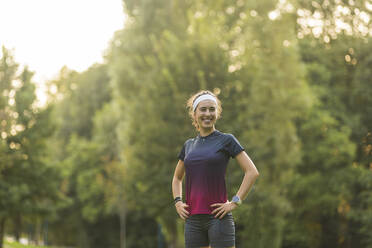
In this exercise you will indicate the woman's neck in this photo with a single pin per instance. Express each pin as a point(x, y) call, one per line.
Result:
point(206, 132)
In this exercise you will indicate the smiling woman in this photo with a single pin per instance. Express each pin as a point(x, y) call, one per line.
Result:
point(203, 160)
point(47, 35)
point(194, 101)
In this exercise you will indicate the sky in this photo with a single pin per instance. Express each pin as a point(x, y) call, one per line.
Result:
point(48, 34)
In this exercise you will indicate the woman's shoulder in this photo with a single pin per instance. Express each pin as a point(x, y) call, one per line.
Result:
point(190, 140)
point(226, 135)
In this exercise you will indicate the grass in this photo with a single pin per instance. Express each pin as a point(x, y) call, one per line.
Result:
point(18, 245)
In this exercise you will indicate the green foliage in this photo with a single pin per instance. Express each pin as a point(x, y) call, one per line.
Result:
point(85, 176)
point(297, 99)
point(155, 70)
point(254, 60)
point(87, 163)
point(87, 91)
point(142, 230)
point(354, 16)
point(326, 190)
point(319, 188)
point(29, 184)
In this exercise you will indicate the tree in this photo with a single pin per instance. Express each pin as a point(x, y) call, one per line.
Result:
point(29, 185)
point(94, 179)
point(318, 189)
point(225, 46)
point(8, 68)
point(335, 140)
point(77, 97)
point(329, 20)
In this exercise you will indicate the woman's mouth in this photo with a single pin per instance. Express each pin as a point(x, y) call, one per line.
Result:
point(207, 120)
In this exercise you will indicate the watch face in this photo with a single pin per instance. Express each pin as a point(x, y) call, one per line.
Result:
point(236, 199)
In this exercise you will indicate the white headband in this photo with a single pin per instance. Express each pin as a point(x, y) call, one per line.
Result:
point(202, 98)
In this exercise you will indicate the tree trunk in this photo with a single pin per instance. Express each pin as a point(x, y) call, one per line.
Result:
point(37, 231)
point(122, 216)
point(172, 234)
point(173, 242)
point(330, 229)
point(84, 237)
point(45, 232)
point(18, 227)
point(2, 227)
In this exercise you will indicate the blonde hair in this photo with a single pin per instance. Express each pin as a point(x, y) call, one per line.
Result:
point(191, 100)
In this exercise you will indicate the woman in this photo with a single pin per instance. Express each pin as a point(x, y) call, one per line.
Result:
point(204, 159)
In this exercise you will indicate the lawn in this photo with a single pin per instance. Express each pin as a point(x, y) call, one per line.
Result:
point(8, 244)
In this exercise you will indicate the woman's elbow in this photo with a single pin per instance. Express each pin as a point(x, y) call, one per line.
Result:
point(253, 172)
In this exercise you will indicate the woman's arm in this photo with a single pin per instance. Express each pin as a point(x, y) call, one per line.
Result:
point(177, 179)
point(177, 189)
point(250, 176)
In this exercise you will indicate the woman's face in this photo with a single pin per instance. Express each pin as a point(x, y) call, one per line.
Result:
point(206, 114)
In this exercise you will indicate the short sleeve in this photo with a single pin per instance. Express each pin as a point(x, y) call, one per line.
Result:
point(233, 146)
point(181, 155)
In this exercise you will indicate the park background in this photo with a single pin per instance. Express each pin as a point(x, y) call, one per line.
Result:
point(92, 167)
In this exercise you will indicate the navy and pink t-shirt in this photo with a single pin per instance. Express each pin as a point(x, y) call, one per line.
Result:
point(205, 160)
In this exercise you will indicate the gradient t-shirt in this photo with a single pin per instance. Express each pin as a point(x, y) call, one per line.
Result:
point(206, 160)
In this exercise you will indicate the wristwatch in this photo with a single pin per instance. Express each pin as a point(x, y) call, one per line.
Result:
point(177, 199)
point(236, 200)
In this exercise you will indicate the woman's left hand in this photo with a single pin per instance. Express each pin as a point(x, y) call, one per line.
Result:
point(223, 208)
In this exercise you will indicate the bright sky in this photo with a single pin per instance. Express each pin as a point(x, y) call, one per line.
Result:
point(48, 34)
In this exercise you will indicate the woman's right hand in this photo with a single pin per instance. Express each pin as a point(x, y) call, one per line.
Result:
point(181, 209)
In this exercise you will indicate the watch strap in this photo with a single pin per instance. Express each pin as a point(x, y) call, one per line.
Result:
point(177, 199)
